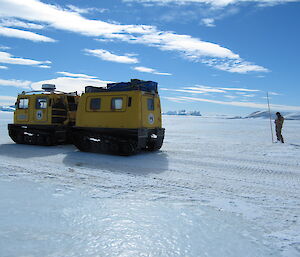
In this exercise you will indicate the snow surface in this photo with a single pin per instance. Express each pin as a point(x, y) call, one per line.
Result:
point(217, 188)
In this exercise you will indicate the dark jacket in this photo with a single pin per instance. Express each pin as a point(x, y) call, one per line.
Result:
point(279, 122)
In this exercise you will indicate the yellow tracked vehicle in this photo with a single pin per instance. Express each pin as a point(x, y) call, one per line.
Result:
point(44, 117)
point(120, 119)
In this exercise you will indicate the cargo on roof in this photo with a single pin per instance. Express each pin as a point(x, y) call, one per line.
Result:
point(134, 84)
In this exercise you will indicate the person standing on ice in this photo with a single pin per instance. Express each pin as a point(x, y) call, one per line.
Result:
point(278, 123)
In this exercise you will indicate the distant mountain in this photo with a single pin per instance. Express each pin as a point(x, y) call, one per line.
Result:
point(262, 114)
point(266, 115)
point(183, 113)
point(7, 108)
point(293, 116)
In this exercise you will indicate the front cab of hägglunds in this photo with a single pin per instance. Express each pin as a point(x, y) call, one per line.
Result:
point(121, 119)
point(43, 117)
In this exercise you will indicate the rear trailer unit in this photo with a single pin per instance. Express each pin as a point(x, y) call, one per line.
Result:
point(123, 118)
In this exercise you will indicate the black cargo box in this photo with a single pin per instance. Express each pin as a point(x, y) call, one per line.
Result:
point(134, 84)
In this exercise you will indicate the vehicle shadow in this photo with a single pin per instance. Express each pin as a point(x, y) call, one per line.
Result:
point(140, 164)
point(28, 151)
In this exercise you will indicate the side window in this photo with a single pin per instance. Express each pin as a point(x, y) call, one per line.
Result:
point(117, 103)
point(150, 103)
point(41, 103)
point(129, 101)
point(23, 103)
point(95, 104)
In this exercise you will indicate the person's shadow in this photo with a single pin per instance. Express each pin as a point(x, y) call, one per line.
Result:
point(297, 146)
point(142, 163)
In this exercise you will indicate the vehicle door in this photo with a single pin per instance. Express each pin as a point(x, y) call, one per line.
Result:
point(40, 113)
point(22, 110)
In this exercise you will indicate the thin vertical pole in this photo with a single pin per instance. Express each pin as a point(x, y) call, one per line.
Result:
point(270, 117)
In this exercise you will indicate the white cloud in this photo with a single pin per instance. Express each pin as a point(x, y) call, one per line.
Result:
point(190, 91)
point(76, 75)
point(239, 89)
point(199, 51)
point(234, 66)
point(105, 40)
point(218, 3)
point(208, 22)
point(7, 100)
point(175, 99)
point(68, 84)
point(10, 59)
point(237, 103)
point(15, 83)
point(205, 89)
point(108, 56)
point(273, 93)
point(150, 70)
point(17, 33)
point(4, 48)
point(34, 10)
point(3, 67)
point(17, 23)
point(241, 67)
point(191, 48)
point(85, 10)
point(200, 89)
point(230, 96)
point(44, 66)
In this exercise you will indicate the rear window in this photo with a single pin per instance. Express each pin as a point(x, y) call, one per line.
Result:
point(95, 104)
point(117, 103)
point(150, 103)
point(41, 103)
point(23, 103)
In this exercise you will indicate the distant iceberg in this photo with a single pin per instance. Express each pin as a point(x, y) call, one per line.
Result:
point(183, 113)
point(7, 108)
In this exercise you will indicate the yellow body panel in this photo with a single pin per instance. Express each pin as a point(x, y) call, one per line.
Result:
point(133, 114)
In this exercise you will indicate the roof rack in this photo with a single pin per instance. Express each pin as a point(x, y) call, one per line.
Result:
point(48, 93)
point(134, 84)
point(49, 89)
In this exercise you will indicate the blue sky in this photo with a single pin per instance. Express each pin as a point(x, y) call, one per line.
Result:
point(216, 56)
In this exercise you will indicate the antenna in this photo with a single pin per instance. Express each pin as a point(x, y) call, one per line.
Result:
point(270, 117)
